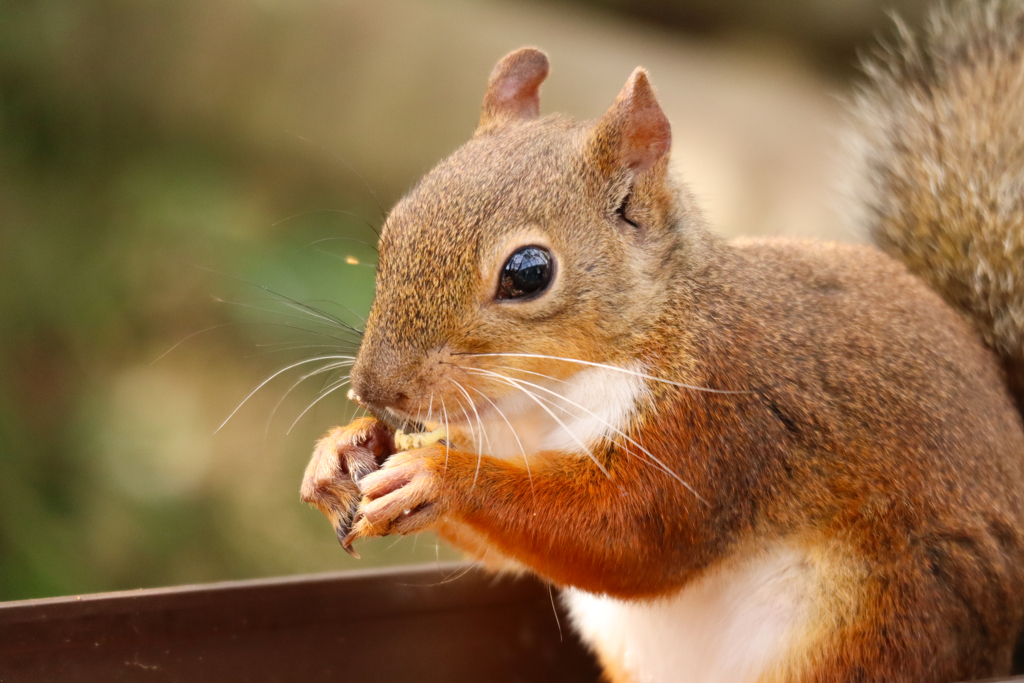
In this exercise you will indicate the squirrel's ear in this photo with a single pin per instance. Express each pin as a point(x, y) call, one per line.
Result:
point(634, 132)
point(513, 90)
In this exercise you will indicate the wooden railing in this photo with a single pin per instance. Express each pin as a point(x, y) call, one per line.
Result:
point(425, 624)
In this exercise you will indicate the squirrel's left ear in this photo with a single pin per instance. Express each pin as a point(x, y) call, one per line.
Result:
point(634, 132)
point(513, 90)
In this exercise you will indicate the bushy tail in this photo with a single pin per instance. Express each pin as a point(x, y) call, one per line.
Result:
point(940, 153)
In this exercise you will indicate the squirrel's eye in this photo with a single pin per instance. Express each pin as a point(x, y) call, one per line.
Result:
point(622, 212)
point(527, 273)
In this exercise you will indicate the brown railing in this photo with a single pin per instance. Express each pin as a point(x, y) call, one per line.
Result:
point(424, 624)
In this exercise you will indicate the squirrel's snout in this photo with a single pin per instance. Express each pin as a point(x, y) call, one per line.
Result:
point(377, 391)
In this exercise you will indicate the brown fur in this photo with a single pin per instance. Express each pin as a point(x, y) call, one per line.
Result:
point(940, 165)
point(864, 417)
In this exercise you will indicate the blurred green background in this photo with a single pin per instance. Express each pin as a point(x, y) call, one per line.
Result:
point(172, 173)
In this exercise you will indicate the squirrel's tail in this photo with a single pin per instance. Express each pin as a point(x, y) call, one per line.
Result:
point(939, 148)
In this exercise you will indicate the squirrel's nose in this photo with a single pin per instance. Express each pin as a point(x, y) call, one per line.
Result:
point(376, 391)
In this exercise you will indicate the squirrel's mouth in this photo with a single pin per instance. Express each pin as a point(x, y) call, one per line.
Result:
point(463, 419)
point(393, 418)
point(484, 410)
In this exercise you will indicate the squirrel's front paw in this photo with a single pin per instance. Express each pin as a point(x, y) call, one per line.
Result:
point(403, 496)
point(340, 460)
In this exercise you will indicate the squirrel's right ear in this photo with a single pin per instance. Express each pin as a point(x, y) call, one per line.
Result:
point(634, 133)
point(513, 90)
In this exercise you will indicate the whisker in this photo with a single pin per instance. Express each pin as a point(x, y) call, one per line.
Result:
point(326, 368)
point(472, 405)
point(454, 576)
point(483, 432)
point(526, 460)
point(281, 297)
point(295, 345)
point(468, 421)
point(251, 322)
point(193, 334)
point(627, 371)
point(554, 417)
point(447, 448)
point(317, 314)
point(665, 468)
point(562, 397)
point(528, 372)
point(334, 387)
point(320, 333)
point(289, 346)
point(321, 314)
point(328, 239)
point(338, 325)
point(347, 309)
point(330, 371)
point(554, 609)
point(279, 372)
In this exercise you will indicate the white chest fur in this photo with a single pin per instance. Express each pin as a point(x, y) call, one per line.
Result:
point(731, 626)
point(570, 416)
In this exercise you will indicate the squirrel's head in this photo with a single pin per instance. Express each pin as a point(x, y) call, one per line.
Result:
point(541, 236)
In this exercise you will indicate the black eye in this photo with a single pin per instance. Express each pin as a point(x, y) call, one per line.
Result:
point(526, 273)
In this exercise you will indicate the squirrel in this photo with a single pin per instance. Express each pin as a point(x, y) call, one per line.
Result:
point(742, 461)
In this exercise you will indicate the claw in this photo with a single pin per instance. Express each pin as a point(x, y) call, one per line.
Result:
point(343, 530)
point(346, 538)
point(346, 543)
point(347, 534)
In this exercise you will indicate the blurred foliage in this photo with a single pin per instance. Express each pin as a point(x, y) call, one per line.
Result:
point(118, 232)
point(829, 32)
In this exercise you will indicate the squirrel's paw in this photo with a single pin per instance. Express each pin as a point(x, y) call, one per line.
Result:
point(340, 460)
point(403, 496)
